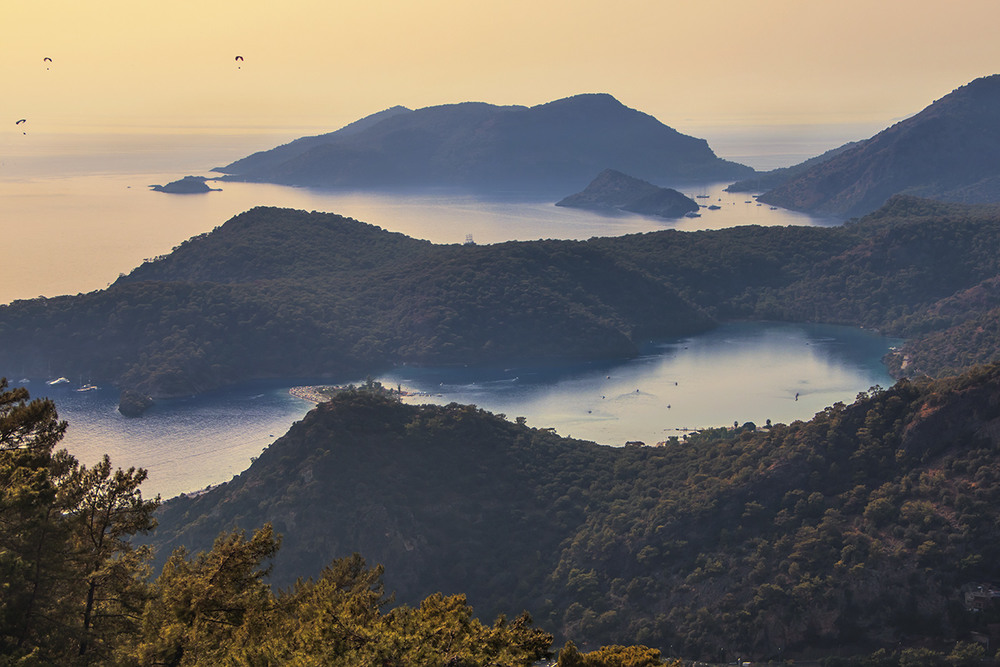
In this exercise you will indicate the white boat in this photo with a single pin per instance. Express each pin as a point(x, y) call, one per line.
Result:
point(88, 387)
point(58, 381)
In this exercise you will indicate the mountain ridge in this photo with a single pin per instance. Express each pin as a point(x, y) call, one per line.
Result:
point(548, 147)
point(950, 151)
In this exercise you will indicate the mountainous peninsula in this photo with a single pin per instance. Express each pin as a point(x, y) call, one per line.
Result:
point(949, 151)
point(551, 148)
point(863, 528)
point(282, 293)
point(769, 180)
point(615, 191)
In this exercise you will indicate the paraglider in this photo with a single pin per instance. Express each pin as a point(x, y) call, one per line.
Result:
point(46, 59)
point(21, 122)
point(239, 59)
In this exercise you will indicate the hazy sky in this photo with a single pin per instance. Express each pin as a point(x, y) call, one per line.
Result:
point(314, 65)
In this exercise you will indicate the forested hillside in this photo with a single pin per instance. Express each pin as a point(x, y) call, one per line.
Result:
point(281, 293)
point(76, 589)
point(859, 529)
point(278, 293)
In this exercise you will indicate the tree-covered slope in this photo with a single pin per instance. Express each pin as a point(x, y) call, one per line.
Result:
point(280, 293)
point(287, 293)
point(858, 529)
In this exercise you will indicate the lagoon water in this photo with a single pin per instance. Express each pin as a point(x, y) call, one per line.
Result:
point(75, 215)
point(737, 373)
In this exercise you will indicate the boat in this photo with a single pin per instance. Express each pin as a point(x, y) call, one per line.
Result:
point(88, 387)
point(58, 381)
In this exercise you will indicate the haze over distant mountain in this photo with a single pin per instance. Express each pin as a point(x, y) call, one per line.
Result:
point(553, 148)
point(768, 180)
point(949, 151)
point(613, 190)
point(269, 159)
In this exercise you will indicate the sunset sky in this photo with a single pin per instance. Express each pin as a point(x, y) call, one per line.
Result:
point(315, 65)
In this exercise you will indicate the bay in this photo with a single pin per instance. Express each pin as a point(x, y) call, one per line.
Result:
point(76, 211)
point(738, 372)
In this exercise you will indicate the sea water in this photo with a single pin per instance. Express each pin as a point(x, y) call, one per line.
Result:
point(741, 372)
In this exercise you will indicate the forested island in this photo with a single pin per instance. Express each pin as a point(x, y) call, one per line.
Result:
point(282, 293)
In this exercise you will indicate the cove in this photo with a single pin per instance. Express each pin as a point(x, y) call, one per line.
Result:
point(738, 372)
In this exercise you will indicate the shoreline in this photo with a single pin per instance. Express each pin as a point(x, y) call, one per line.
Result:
point(311, 393)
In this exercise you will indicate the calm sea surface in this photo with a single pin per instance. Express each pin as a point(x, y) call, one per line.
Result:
point(76, 212)
point(738, 373)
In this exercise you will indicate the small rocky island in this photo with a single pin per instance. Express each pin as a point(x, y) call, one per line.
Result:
point(189, 185)
point(133, 403)
point(613, 190)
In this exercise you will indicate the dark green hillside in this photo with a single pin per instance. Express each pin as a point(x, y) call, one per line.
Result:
point(858, 529)
point(914, 257)
point(286, 293)
point(265, 244)
point(280, 293)
point(727, 271)
point(449, 499)
point(77, 591)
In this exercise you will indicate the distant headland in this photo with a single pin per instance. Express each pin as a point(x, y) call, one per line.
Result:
point(551, 148)
point(189, 185)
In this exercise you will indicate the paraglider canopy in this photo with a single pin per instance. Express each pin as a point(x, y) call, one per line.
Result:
point(21, 121)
